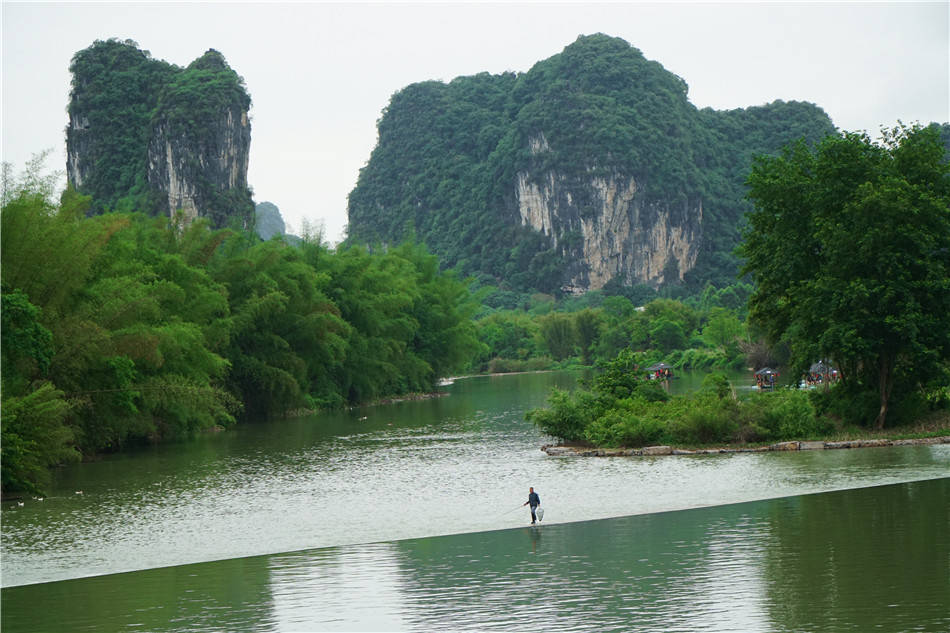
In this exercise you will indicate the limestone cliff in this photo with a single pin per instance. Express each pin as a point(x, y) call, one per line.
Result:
point(145, 135)
point(591, 169)
point(615, 233)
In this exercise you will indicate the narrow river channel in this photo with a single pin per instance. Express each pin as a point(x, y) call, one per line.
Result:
point(407, 517)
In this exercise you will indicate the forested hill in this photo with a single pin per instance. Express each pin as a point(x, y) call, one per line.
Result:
point(592, 168)
point(146, 135)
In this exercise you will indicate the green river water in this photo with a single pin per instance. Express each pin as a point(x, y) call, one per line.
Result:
point(406, 517)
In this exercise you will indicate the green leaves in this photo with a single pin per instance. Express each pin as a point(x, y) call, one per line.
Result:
point(145, 331)
point(722, 329)
point(849, 245)
point(283, 326)
point(34, 437)
point(27, 346)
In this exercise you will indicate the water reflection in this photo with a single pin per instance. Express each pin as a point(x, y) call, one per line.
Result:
point(782, 565)
point(869, 559)
point(659, 573)
point(878, 559)
point(232, 595)
point(355, 589)
point(450, 465)
point(455, 464)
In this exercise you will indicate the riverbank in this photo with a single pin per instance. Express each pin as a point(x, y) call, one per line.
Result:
point(649, 451)
point(301, 476)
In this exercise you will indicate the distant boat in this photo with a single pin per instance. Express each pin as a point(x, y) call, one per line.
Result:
point(765, 378)
point(821, 373)
point(660, 371)
point(445, 382)
point(821, 367)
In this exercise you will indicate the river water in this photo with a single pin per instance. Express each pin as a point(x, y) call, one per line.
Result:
point(407, 517)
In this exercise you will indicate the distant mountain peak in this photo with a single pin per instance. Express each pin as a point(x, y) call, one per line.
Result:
point(591, 168)
point(145, 135)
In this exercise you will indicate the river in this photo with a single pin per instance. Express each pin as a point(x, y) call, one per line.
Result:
point(407, 516)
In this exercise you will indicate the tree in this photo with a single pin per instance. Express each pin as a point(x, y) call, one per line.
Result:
point(33, 437)
point(667, 335)
point(444, 337)
point(26, 345)
point(559, 334)
point(509, 334)
point(285, 329)
point(849, 246)
point(588, 324)
point(722, 328)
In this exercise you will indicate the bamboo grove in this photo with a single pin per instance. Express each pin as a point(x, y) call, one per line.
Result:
point(124, 328)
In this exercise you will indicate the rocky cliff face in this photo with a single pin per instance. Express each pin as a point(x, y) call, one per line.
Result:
point(608, 229)
point(592, 169)
point(191, 171)
point(145, 135)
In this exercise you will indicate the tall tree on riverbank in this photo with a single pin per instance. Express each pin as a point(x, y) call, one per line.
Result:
point(849, 246)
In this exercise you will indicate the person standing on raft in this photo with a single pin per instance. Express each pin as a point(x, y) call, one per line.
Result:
point(534, 501)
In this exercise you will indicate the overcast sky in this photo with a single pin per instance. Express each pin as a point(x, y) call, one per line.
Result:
point(320, 74)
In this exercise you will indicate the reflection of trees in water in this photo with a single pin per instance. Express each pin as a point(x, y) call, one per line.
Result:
point(651, 571)
point(868, 559)
point(230, 595)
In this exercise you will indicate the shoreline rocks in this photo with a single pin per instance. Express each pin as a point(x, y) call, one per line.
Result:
point(647, 451)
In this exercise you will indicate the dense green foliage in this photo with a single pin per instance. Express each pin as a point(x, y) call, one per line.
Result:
point(446, 163)
point(124, 328)
point(121, 96)
point(705, 331)
point(115, 90)
point(849, 246)
point(623, 408)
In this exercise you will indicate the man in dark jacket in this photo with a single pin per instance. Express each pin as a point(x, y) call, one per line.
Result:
point(534, 501)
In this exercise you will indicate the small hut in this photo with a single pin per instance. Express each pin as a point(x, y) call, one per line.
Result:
point(659, 371)
point(765, 378)
point(821, 373)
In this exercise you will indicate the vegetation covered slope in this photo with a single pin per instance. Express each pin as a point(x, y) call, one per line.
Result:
point(446, 163)
point(139, 125)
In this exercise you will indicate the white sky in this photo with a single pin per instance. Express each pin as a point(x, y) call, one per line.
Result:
point(320, 74)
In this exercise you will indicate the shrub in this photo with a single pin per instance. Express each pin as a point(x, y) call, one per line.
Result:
point(34, 438)
point(793, 415)
point(718, 384)
point(622, 428)
point(781, 415)
point(651, 391)
point(852, 404)
point(938, 399)
point(619, 377)
point(512, 365)
point(701, 358)
point(706, 421)
point(567, 417)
